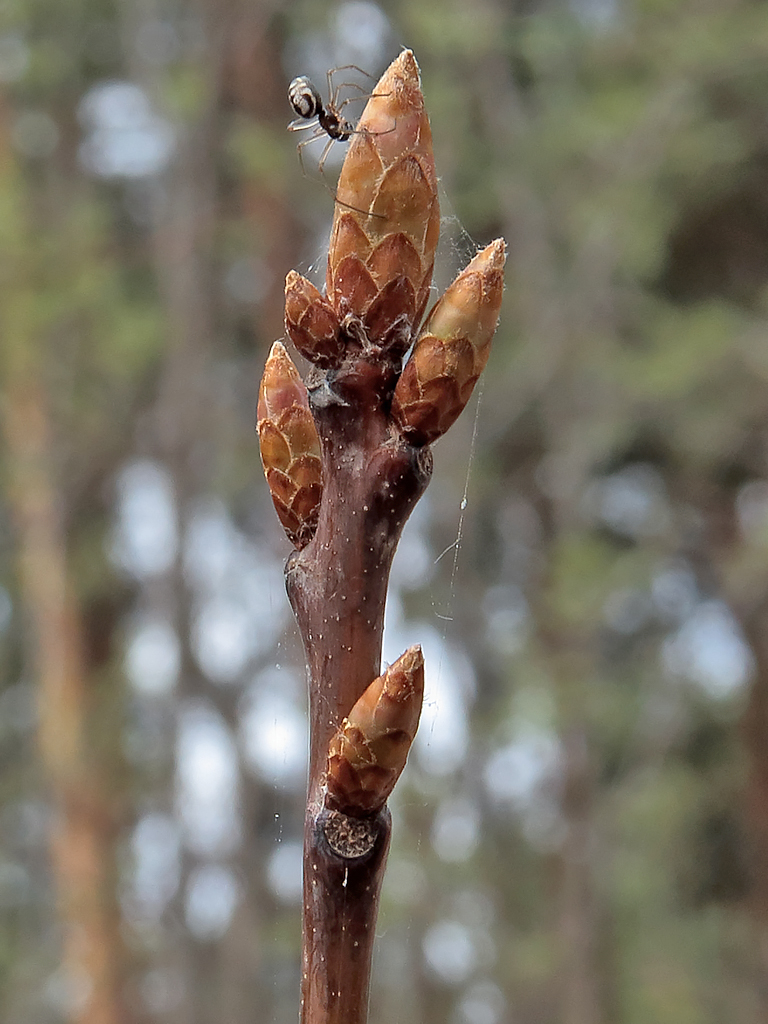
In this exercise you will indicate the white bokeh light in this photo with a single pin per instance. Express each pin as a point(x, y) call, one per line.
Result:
point(274, 729)
point(450, 951)
point(144, 542)
point(126, 138)
point(156, 854)
point(222, 639)
point(506, 617)
point(241, 606)
point(207, 782)
point(284, 872)
point(414, 563)
point(212, 897)
point(362, 30)
point(709, 649)
point(449, 685)
point(515, 773)
point(632, 502)
point(482, 1003)
point(456, 830)
point(14, 57)
point(152, 658)
point(210, 546)
point(674, 591)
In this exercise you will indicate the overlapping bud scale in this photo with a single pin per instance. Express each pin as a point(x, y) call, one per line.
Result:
point(369, 751)
point(311, 322)
point(452, 349)
point(290, 447)
point(387, 217)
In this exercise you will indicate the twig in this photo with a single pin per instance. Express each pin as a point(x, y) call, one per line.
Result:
point(346, 458)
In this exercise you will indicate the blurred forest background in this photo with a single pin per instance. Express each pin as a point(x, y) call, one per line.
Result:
point(581, 836)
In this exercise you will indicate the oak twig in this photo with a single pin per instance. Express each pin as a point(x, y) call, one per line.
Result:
point(346, 458)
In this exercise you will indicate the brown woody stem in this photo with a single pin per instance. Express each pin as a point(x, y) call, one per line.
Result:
point(341, 903)
point(337, 586)
point(372, 432)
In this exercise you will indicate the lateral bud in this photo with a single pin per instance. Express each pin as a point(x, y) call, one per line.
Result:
point(452, 349)
point(290, 447)
point(369, 751)
point(311, 322)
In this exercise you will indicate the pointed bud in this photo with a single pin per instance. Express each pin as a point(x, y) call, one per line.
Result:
point(311, 322)
point(368, 753)
point(290, 447)
point(387, 218)
point(452, 350)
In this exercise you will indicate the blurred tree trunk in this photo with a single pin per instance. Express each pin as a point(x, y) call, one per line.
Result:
point(257, 87)
point(82, 840)
point(570, 652)
point(755, 733)
point(84, 825)
point(185, 430)
point(742, 579)
point(196, 433)
point(580, 914)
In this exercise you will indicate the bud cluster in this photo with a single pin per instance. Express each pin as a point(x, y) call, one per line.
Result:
point(380, 262)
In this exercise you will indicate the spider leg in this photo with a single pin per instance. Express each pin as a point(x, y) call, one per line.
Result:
point(320, 167)
point(336, 105)
point(301, 123)
point(367, 131)
point(334, 91)
point(324, 156)
point(347, 67)
point(318, 132)
point(347, 206)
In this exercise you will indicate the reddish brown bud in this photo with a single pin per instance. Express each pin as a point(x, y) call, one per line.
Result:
point(387, 218)
point(369, 751)
point(452, 350)
point(311, 322)
point(290, 446)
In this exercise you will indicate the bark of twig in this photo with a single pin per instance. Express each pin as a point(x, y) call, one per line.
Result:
point(337, 587)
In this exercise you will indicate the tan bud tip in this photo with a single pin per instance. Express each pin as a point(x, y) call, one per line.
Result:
point(387, 217)
point(369, 751)
point(310, 321)
point(452, 349)
point(290, 446)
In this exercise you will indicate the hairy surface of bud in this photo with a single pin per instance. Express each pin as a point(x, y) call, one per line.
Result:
point(290, 446)
point(452, 349)
point(369, 751)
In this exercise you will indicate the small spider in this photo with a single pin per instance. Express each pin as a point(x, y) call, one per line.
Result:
point(325, 119)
